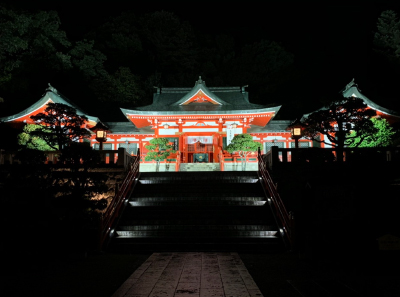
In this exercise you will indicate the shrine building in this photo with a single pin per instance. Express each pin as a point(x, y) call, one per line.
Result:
point(198, 121)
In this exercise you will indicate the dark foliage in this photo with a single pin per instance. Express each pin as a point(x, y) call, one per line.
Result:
point(63, 123)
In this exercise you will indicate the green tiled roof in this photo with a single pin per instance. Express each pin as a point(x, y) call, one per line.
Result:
point(352, 90)
point(168, 101)
point(53, 95)
point(126, 128)
point(271, 127)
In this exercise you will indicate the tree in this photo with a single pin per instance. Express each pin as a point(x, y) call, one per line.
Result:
point(159, 150)
point(30, 141)
point(244, 145)
point(33, 49)
point(338, 120)
point(387, 36)
point(26, 35)
point(382, 137)
point(122, 87)
point(63, 125)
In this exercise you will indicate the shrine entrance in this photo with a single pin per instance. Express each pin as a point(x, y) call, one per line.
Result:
point(199, 149)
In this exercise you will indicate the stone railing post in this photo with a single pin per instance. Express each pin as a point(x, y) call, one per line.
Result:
point(121, 156)
point(274, 156)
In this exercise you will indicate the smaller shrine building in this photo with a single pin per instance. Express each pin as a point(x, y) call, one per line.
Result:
point(199, 120)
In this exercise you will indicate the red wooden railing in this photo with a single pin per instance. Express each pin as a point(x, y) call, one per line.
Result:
point(116, 206)
point(221, 160)
point(178, 161)
point(286, 221)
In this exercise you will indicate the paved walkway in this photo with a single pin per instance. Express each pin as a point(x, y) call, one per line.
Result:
point(190, 274)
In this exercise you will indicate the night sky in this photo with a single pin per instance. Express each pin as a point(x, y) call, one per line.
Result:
point(332, 39)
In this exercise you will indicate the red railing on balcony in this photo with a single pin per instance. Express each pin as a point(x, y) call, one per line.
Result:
point(286, 221)
point(115, 208)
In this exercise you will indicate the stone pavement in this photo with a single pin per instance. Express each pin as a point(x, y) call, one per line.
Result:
point(190, 274)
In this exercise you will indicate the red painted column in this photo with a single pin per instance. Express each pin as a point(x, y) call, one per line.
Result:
point(181, 146)
point(216, 148)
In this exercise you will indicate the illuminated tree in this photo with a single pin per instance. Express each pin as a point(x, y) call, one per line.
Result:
point(382, 136)
point(159, 150)
point(338, 120)
point(243, 144)
point(63, 125)
point(30, 141)
point(387, 36)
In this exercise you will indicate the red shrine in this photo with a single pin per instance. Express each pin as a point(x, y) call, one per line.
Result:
point(198, 120)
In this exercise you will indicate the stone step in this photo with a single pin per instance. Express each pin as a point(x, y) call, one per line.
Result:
point(197, 211)
point(191, 190)
point(189, 244)
point(195, 202)
point(195, 221)
point(201, 227)
point(205, 199)
point(198, 215)
point(196, 233)
point(166, 180)
point(224, 176)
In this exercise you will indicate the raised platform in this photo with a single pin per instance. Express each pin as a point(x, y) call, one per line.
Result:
point(199, 167)
point(234, 166)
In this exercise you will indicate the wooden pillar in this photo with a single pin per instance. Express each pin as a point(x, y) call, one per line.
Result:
point(181, 139)
point(216, 148)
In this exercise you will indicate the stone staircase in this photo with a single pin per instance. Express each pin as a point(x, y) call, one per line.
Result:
point(199, 167)
point(197, 211)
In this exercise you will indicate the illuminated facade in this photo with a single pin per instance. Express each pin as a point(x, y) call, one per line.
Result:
point(199, 120)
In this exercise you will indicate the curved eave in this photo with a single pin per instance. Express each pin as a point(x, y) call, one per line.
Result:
point(40, 105)
point(127, 112)
point(260, 117)
point(354, 92)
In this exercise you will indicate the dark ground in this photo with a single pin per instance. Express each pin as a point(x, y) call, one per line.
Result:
point(338, 217)
point(276, 274)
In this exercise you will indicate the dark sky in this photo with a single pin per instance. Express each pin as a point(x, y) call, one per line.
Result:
point(325, 34)
point(333, 39)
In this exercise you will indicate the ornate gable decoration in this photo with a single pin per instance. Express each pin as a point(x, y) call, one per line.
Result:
point(200, 97)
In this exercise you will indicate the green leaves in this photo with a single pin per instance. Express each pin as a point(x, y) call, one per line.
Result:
point(387, 36)
point(122, 87)
point(25, 35)
point(87, 59)
point(159, 149)
point(63, 125)
point(243, 143)
point(29, 140)
point(338, 119)
point(381, 137)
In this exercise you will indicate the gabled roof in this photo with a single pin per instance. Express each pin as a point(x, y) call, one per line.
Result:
point(51, 95)
point(352, 90)
point(200, 93)
point(274, 126)
point(126, 128)
point(215, 100)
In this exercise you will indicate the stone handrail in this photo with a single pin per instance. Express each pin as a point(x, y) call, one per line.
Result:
point(120, 199)
point(276, 156)
point(118, 157)
point(286, 221)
